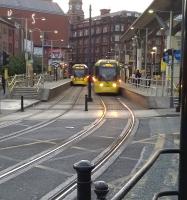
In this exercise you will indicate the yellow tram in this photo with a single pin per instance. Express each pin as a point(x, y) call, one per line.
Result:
point(106, 77)
point(79, 74)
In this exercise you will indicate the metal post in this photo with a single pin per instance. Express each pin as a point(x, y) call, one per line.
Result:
point(171, 92)
point(42, 53)
point(86, 102)
point(22, 105)
point(146, 41)
point(89, 64)
point(26, 53)
point(183, 130)
point(101, 190)
point(83, 168)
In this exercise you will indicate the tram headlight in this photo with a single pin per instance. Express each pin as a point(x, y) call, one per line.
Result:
point(119, 80)
point(101, 84)
point(114, 85)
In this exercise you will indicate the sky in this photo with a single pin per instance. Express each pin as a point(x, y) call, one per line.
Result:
point(113, 5)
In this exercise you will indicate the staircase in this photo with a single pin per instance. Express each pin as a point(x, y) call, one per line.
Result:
point(175, 101)
point(26, 92)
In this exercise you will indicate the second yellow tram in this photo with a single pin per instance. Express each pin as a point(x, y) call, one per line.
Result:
point(79, 74)
point(106, 77)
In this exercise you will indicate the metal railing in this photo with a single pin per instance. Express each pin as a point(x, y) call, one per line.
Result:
point(101, 188)
point(16, 80)
point(133, 181)
point(40, 81)
point(153, 87)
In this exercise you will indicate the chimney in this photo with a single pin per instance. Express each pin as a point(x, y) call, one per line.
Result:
point(104, 11)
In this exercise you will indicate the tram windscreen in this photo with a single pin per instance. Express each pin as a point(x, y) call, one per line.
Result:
point(107, 73)
point(79, 73)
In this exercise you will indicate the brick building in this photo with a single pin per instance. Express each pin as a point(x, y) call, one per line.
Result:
point(10, 42)
point(106, 30)
point(22, 13)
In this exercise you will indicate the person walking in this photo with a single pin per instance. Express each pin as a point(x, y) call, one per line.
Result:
point(138, 76)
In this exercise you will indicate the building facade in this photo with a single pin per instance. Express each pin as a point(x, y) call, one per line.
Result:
point(29, 19)
point(103, 33)
point(10, 39)
point(75, 12)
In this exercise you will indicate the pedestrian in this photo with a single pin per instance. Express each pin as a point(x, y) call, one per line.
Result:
point(133, 78)
point(138, 76)
point(148, 80)
point(3, 81)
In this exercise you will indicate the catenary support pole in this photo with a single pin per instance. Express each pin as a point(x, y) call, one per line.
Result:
point(183, 131)
point(89, 64)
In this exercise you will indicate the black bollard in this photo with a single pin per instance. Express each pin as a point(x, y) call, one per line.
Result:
point(86, 102)
point(83, 168)
point(22, 106)
point(101, 190)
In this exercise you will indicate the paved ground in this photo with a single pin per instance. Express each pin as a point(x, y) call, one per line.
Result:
point(152, 125)
point(8, 105)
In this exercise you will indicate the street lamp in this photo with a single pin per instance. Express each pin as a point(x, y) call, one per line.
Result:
point(42, 39)
point(25, 45)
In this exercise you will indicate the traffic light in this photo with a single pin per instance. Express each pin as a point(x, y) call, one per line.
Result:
point(5, 58)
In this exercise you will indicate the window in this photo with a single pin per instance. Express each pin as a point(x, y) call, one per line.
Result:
point(117, 27)
point(81, 33)
point(98, 30)
point(75, 34)
point(86, 32)
point(78, 6)
point(105, 29)
point(129, 14)
point(116, 38)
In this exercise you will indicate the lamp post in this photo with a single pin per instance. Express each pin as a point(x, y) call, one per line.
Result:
point(42, 35)
point(25, 46)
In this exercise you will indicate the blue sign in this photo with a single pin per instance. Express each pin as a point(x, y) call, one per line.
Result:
point(177, 54)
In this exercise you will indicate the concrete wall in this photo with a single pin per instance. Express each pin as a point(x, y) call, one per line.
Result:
point(151, 102)
point(47, 94)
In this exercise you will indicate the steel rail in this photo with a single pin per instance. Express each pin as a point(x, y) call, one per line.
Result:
point(111, 151)
point(53, 151)
point(40, 124)
point(8, 123)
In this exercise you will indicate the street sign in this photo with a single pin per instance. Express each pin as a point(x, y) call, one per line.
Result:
point(55, 64)
point(166, 57)
point(177, 54)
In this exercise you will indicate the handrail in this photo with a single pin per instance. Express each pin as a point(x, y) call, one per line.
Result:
point(165, 193)
point(13, 80)
point(131, 183)
point(38, 83)
point(12, 83)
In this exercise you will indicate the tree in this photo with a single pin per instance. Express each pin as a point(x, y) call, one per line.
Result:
point(16, 65)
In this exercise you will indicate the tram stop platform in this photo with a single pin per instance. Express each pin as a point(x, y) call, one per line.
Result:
point(49, 90)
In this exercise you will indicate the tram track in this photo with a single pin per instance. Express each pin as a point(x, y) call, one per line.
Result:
point(37, 159)
point(55, 102)
point(104, 156)
point(40, 124)
point(99, 161)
